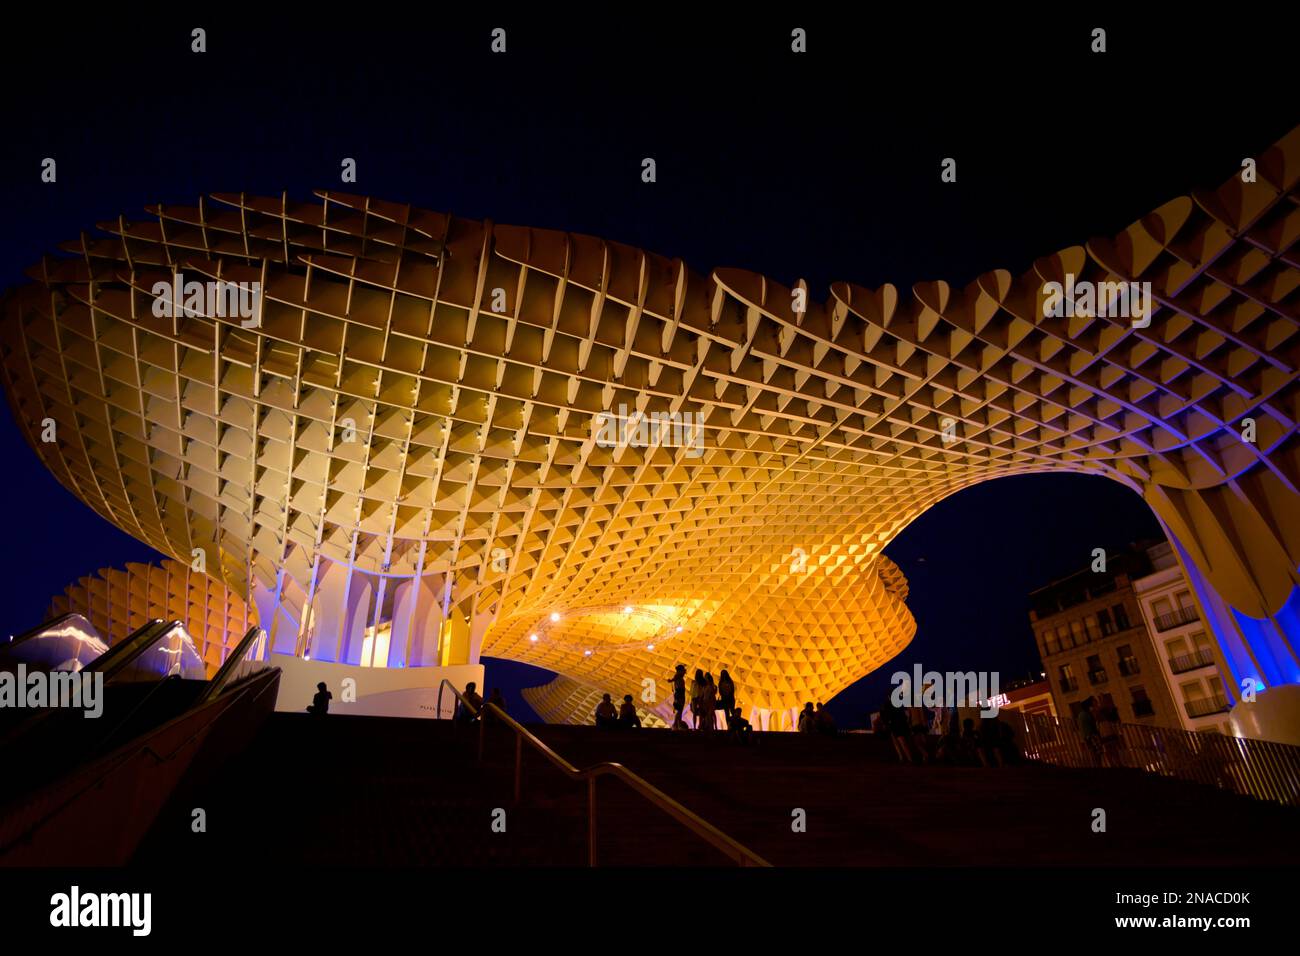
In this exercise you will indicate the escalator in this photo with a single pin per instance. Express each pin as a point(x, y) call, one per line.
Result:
point(66, 643)
point(99, 737)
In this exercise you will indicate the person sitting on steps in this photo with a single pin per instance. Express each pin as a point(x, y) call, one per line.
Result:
point(737, 725)
point(606, 714)
point(627, 716)
point(320, 703)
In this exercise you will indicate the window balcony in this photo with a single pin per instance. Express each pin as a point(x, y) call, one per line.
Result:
point(1069, 684)
point(1130, 667)
point(1190, 662)
point(1097, 676)
point(1206, 706)
point(1143, 708)
point(1184, 615)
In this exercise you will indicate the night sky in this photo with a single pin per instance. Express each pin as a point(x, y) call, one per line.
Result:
point(823, 166)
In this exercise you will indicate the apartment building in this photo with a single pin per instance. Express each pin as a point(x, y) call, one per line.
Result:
point(1092, 636)
point(1182, 643)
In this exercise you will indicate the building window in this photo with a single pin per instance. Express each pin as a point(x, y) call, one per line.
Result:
point(1103, 616)
point(1069, 682)
point(1128, 664)
point(1096, 673)
point(1076, 632)
point(1121, 617)
point(1141, 702)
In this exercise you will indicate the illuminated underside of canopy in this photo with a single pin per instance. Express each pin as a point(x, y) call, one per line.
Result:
point(410, 432)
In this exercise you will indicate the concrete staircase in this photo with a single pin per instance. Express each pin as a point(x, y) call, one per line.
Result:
point(384, 791)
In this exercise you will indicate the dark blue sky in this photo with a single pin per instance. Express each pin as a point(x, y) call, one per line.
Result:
point(822, 166)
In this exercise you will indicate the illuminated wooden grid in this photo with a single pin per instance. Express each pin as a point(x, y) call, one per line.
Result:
point(566, 701)
point(824, 431)
point(117, 602)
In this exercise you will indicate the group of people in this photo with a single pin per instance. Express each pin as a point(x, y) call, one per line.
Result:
point(922, 735)
point(816, 721)
point(624, 717)
point(1098, 723)
point(470, 707)
point(707, 698)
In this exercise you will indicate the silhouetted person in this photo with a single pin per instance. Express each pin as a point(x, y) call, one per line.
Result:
point(738, 725)
point(1108, 732)
point(697, 688)
point(949, 749)
point(807, 719)
point(470, 706)
point(708, 704)
point(970, 742)
point(679, 696)
point(991, 741)
point(320, 702)
point(919, 720)
point(606, 713)
point(726, 693)
point(627, 716)
point(497, 699)
point(1086, 721)
point(897, 727)
point(1008, 749)
point(823, 721)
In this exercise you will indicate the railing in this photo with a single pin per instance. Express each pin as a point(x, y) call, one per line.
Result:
point(1205, 706)
point(1189, 662)
point(246, 659)
point(1261, 769)
point(1097, 677)
point(1069, 684)
point(1184, 615)
point(737, 852)
point(23, 819)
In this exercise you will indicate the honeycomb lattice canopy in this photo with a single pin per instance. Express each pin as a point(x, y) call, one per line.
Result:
point(412, 428)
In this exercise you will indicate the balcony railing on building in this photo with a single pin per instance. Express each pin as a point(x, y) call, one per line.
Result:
point(1184, 615)
point(1189, 662)
point(1205, 706)
point(1098, 676)
point(1129, 667)
point(1143, 708)
point(1069, 684)
point(1261, 769)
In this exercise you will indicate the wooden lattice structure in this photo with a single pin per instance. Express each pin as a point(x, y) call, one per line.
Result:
point(472, 364)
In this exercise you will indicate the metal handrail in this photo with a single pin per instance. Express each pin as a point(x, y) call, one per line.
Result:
point(702, 828)
point(40, 629)
point(140, 705)
point(1261, 769)
point(98, 770)
point(236, 657)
